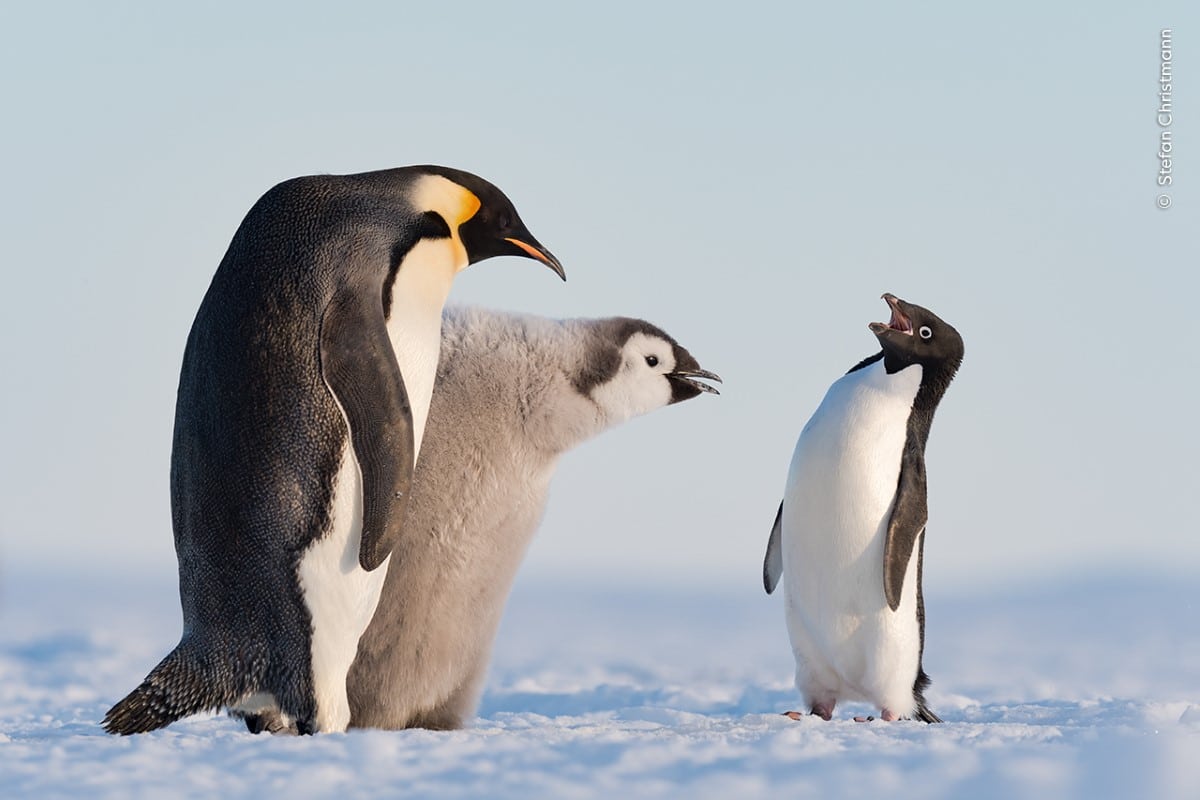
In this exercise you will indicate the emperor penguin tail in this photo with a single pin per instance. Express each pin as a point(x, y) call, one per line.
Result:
point(183, 683)
point(923, 713)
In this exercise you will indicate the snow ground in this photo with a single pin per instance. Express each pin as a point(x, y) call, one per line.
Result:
point(1090, 688)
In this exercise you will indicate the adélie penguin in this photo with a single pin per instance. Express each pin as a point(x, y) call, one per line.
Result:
point(514, 392)
point(849, 536)
point(302, 401)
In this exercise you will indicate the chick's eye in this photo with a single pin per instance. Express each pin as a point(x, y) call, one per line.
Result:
point(925, 332)
point(652, 360)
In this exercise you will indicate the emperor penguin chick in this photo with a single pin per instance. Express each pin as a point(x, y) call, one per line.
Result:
point(850, 532)
point(513, 394)
point(301, 407)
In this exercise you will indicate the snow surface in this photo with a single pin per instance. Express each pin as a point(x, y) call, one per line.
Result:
point(1086, 689)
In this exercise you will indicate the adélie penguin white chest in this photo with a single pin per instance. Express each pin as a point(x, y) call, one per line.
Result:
point(849, 534)
point(300, 411)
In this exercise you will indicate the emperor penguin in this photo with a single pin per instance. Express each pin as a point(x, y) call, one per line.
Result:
point(513, 393)
point(302, 403)
point(850, 533)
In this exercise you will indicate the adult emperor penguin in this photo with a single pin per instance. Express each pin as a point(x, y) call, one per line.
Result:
point(302, 402)
point(850, 533)
point(532, 388)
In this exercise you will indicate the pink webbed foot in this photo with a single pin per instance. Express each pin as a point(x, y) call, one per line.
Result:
point(887, 715)
point(822, 710)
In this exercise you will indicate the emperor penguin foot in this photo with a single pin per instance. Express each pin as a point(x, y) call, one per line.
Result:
point(269, 722)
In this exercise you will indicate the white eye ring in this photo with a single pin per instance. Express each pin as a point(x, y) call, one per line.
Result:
point(925, 332)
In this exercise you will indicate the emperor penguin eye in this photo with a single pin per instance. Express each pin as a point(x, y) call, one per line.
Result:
point(925, 332)
point(652, 360)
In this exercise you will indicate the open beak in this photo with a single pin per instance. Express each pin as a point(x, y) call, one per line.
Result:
point(536, 251)
point(692, 377)
point(899, 321)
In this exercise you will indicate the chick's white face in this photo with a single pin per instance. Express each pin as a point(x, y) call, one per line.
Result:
point(640, 384)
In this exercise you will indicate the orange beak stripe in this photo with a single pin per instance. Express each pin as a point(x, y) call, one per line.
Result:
point(533, 251)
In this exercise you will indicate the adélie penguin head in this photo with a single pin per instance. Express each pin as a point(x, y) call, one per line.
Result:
point(495, 228)
point(915, 335)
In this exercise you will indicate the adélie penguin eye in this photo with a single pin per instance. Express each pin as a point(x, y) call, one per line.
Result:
point(925, 332)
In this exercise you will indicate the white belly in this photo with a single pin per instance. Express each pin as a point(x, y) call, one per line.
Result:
point(340, 595)
point(841, 485)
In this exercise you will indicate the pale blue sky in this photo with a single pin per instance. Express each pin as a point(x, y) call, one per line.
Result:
point(749, 176)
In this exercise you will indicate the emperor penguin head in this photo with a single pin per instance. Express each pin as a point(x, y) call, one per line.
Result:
point(915, 335)
point(477, 216)
point(636, 368)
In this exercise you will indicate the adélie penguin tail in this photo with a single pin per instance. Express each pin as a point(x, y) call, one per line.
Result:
point(190, 680)
point(923, 713)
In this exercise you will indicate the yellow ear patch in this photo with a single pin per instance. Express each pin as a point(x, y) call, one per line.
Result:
point(468, 206)
point(455, 203)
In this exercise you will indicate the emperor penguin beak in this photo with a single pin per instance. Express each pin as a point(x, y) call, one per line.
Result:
point(536, 251)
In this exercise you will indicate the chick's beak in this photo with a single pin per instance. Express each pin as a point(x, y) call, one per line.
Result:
point(692, 377)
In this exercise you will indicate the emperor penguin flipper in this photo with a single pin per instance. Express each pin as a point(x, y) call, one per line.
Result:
point(359, 366)
point(773, 562)
point(910, 512)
